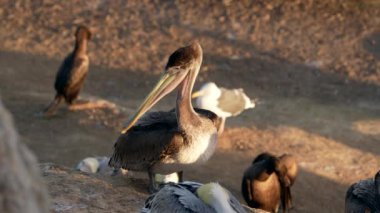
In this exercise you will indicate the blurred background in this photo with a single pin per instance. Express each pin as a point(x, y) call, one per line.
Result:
point(313, 64)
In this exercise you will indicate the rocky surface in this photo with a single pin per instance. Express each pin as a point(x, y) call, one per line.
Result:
point(74, 191)
point(21, 185)
point(337, 36)
point(313, 64)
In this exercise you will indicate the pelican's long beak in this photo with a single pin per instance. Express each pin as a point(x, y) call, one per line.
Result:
point(166, 84)
point(197, 94)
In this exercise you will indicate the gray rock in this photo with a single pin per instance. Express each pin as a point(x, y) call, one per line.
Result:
point(21, 186)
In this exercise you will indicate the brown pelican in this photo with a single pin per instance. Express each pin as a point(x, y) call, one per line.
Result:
point(364, 196)
point(223, 102)
point(192, 197)
point(73, 71)
point(167, 142)
point(266, 183)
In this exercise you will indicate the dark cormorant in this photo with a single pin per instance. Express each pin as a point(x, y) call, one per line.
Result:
point(266, 183)
point(72, 72)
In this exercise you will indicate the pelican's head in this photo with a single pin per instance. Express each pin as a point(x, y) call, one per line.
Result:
point(215, 196)
point(182, 67)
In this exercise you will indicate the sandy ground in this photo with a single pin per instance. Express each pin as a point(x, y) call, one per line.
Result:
point(336, 142)
point(320, 98)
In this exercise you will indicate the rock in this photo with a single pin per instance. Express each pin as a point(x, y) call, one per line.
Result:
point(23, 190)
point(21, 185)
point(75, 191)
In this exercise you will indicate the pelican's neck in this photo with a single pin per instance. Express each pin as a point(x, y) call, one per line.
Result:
point(80, 46)
point(186, 116)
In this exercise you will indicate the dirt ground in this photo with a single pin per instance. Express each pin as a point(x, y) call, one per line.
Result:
point(313, 64)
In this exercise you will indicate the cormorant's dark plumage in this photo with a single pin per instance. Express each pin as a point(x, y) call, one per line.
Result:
point(266, 184)
point(72, 72)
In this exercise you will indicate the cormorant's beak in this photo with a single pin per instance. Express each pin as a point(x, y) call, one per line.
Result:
point(197, 94)
point(168, 82)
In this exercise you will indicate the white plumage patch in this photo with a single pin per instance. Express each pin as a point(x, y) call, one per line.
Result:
point(199, 150)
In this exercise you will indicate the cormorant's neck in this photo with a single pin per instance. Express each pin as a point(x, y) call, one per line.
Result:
point(80, 46)
point(186, 116)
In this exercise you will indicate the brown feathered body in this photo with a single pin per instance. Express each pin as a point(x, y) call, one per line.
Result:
point(74, 69)
point(72, 72)
point(290, 162)
point(265, 184)
point(168, 142)
point(156, 144)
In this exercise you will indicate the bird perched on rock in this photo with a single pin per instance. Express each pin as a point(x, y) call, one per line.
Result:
point(266, 183)
point(193, 197)
point(223, 102)
point(72, 72)
point(167, 142)
point(364, 196)
point(97, 165)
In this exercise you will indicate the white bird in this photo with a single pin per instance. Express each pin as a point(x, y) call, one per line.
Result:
point(193, 197)
point(97, 165)
point(223, 102)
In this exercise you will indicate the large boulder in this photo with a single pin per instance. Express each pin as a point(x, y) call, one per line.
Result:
point(21, 186)
point(76, 191)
